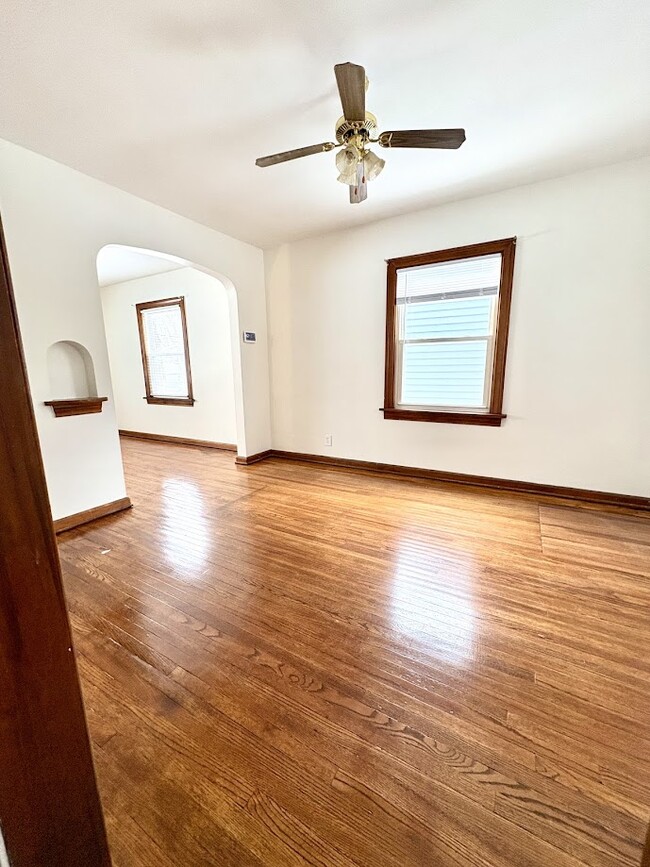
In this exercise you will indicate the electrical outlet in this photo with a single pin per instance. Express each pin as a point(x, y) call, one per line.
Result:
point(328, 439)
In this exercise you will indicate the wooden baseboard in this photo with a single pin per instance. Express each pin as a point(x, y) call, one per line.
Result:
point(245, 461)
point(511, 486)
point(181, 441)
point(558, 493)
point(72, 521)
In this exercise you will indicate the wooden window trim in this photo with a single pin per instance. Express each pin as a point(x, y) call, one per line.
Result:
point(149, 397)
point(494, 415)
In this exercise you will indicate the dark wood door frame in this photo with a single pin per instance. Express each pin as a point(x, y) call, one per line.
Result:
point(49, 805)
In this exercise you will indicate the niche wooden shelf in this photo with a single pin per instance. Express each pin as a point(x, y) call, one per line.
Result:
point(76, 406)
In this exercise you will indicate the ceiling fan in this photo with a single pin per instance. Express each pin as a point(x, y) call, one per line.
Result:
point(356, 163)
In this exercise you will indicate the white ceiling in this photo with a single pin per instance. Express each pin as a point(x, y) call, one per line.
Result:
point(117, 264)
point(174, 99)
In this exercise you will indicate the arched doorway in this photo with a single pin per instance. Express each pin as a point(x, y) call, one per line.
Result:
point(136, 271)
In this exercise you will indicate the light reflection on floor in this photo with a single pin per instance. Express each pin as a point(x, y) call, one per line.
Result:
point(432, 601)
point(185, 531)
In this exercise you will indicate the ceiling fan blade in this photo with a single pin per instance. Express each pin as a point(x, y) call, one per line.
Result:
point(358, 194)
point(359, 191)
point(351, 82)
point(284, 156)
point(422, 138)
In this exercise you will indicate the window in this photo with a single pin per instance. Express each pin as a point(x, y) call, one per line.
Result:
point(447, 333)
point(165, 354)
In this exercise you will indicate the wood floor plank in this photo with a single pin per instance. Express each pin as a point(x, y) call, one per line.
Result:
point(300, 665)
point(617, 541)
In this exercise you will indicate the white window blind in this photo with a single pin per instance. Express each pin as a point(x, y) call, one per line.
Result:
point(446, 325)
point(164, 344)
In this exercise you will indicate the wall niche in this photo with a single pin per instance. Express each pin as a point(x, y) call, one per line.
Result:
point(72, 380)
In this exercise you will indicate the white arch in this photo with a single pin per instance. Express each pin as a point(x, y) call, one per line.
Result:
point(233, 309)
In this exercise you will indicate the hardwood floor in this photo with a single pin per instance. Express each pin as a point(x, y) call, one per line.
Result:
point(289, 665)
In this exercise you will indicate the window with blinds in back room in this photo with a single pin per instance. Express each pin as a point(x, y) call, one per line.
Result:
point(447, 320)
point(165, 355)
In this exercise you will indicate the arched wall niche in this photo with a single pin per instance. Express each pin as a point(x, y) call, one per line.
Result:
point(73, 385)
point(71, 371)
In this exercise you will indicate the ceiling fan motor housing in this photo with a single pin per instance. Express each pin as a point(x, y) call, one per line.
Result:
point(346, 129)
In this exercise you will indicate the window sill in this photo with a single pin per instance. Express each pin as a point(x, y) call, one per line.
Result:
point(489, 419)
point(170, 401)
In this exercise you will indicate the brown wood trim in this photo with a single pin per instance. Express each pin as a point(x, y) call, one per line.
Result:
point(246, 460)
point(85, 517)
point(149, 397)
point(510, 486)
point(76, 406)
point(49, 804)
point(391, 325)
point(170, 401)
point(181, 441)
point(495, 415)
point(468, 251)
point(483, 418)
point(502, 324)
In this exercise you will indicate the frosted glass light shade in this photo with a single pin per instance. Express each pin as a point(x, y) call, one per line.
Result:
point(346, 162)
point(372, 165)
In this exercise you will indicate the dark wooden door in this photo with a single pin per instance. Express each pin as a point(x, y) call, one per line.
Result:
point(49, 806)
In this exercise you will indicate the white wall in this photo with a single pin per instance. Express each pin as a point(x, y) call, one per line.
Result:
point(208, 333)
point(56, 220)
point(578, 374)
point(4, 858)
